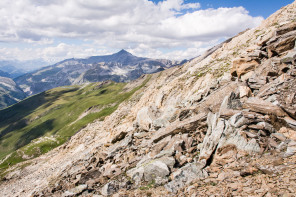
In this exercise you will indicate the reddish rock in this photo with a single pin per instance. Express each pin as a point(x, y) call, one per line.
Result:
point(282, 43)
point(264, 107)
point(288, 133)
point(244, 91)
point(243, 65)
point(286, 28)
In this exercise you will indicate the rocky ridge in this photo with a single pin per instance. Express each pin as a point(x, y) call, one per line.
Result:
point(222, 124)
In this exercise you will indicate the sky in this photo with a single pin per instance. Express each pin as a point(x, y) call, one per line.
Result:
point(53, 30)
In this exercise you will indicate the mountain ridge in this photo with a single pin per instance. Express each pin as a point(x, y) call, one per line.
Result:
point(119, 67)
point(10, 93)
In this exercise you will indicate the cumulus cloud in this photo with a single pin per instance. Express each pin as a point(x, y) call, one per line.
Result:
point(115, 24)
point(52, 54)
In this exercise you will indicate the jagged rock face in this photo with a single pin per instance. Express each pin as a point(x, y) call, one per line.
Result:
point(10, 93)
point(194, 130)
point(119, 67)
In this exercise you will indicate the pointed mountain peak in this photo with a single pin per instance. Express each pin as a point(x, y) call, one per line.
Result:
point(122, 52)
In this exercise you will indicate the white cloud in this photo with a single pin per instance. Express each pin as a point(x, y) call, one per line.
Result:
point(177, 5)
point(115, 24)
point(52, 54)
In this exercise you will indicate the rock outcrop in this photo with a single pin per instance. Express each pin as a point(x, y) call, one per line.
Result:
point(222, 124)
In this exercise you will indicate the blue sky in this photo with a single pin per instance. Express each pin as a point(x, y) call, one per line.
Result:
point(53, 30)
point(255, 7)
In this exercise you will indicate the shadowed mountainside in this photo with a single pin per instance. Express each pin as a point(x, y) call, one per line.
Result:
point(10, 93)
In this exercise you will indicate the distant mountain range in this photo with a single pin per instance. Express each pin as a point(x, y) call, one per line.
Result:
point(118, 67)
point(16, 68)
point(4, 74)
point(10, 93)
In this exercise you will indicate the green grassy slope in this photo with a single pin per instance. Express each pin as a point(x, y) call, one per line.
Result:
point(45, 121)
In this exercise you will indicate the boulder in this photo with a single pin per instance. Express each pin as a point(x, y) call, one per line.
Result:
point(230, 106)
point(214, 100)
point(119, 136)
point(141, 135)
point(281, 43)
point(262, 106)
point(136, 174)
point(224, 155)
point(185, 175)
point(184, 126)
point(175, 144)
point(162, 156)
point(119, 145)
point(242, 66)
point(246, 76)
point(290, 57)
point(182, 159)
point(158, 147)
point(216, 127)
point(244, 91)
point(187, 141)
point(166, 116)
point(238, 120)
point(257, 54)
point(223, 132)
point(285, 29)
point(266, 126)
point(249, 134)
point(269, 67)
point(75, 191)
point(149, 171)
point(145, 117)
point(288, 133)
point(290, 121)
point(155, 169)
point(263, 39)
point(279, 136)
point(234, 137)
point(291, 149)
point(109, 189)
point(167, 160)
point(255, 82)
point(112, 171)
point(231, 102)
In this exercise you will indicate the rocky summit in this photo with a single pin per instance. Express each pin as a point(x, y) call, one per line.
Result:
point(119, 67)
point(223, 124)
